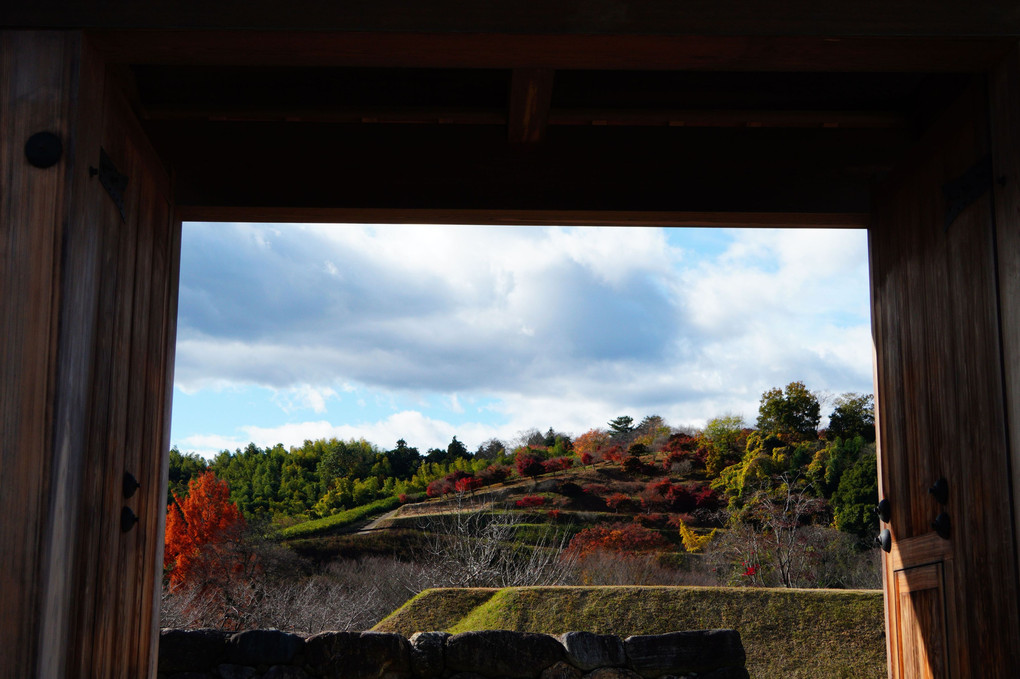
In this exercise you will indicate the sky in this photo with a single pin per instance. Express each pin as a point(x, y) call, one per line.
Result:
point(288, 332)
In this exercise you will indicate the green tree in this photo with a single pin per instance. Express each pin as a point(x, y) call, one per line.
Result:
point(404, 460)
point(183, 468)
point(794, 412)
point(855, 499)
point(456, 450)
point(723, 434)
point(621, 427)
point(853, 416)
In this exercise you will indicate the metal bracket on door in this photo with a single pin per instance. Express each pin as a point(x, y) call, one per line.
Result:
point(112, 180)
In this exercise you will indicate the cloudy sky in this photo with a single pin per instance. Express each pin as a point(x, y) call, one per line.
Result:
point(290, 332)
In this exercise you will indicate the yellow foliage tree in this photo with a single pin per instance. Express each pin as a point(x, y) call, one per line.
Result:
point(691, 540)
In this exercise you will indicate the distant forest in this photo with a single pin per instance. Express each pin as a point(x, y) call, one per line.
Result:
point(836, 466)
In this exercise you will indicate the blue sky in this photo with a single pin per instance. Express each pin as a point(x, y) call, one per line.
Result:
point(289, 332)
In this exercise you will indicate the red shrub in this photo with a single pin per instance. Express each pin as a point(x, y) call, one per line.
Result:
point(557, 464)
point(622, 538)
point(495, 473)
point(530, 501)
point(438, 487)
point(619, 502)
point(467, 484)
point(586, 459)
point(528, 465)
point(553, 514)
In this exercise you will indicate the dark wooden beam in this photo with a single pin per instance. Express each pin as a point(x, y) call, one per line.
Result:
point(645, 17)
point(620, 52)
point(530, 99)
point(721, 219)
point(447, 167)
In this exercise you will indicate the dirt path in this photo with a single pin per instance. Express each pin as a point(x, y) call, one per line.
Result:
point(374, 523)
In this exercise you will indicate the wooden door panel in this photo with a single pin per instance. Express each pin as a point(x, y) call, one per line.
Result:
point(921, 624)
point(940, 406)
point(86, 356)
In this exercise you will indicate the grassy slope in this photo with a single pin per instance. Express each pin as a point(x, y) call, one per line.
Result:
point(435, 610)
point(787, 633)
point(331, 525)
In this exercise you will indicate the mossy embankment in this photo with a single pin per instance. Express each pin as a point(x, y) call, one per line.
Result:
point(787, 633)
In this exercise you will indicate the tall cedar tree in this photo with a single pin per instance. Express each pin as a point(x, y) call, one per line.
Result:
point(198, 528)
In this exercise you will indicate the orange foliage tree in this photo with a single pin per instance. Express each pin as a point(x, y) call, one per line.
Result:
point(625, 539)
point(199, 530)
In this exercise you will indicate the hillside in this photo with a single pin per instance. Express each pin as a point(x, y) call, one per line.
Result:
point(787, 633)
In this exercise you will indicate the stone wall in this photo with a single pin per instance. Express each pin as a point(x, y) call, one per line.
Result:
point(493, 654)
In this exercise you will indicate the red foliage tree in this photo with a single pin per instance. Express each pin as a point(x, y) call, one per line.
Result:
point(198, 530)
point(622, 538)
point(495, 473)
point(619, 502)
point(439, 487)
point(528, 465)
point(467, 484)
point(557, 464)
point(586, 459)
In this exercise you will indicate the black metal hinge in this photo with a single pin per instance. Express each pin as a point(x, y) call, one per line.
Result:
point(964, 191)
point(112, 180)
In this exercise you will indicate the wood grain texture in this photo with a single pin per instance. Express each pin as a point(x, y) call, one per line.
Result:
point(193, 213)
point(1005, 121)
point(505, 50)
point(939, 376)
point(84, 388)
point(719, 17)
point(38, 78)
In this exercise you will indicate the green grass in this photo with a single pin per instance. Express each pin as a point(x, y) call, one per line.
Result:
point(434, 610)
point(332, 525)
point(796, 634)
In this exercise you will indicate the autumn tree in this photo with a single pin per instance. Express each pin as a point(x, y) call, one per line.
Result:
point(853, 416)
point(794, 412)
point(199, 530)
point(591, 443)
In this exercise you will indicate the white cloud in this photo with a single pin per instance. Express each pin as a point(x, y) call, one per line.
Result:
point(559, 327)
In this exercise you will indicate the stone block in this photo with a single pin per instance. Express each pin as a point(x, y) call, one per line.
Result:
point(285, 672)
point(589, 651)
point(427, 654)
point(501, 653)
point(681, 653)
point(359, 655)
point(561, 670)
point(613, 673)
point(199, 650)
point(263, 647)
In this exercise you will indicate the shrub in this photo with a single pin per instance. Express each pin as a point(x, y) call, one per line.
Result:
point(495, 473)
point(622, 538)
point(633, 465)
point(530, 501)
point(528, 465)
point(467, 484)
point(619, 502)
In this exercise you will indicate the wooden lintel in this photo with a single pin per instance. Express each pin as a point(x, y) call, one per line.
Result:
point(194, 213)
point(506, 51)
point(530, 99)
point(528, 122)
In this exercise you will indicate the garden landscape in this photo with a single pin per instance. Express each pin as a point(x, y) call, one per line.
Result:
point(638, 527)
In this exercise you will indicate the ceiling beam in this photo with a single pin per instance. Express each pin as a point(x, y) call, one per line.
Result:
point(507, 51)
point(530, 98)
point(640, 17)
point(530, 125)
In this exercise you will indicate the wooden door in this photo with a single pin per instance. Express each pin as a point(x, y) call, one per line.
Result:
point(90, 259)
point(951, 594)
